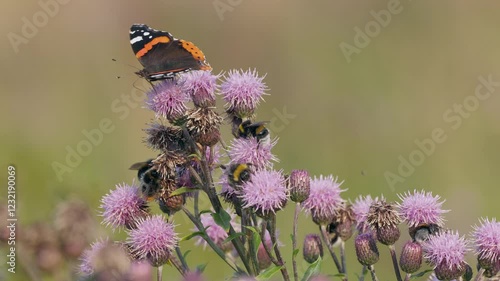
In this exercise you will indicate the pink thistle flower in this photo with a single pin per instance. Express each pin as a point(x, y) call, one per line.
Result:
point(123, 206)
point(226, 189)
point(167, 100)
point(193, 276)
point(446, 252)
point(201, 87)
point(86, 260)
point(215, 231)
point(421, 208)
point(251, 151)
point(153, 240)
point(361, 208)
point(242, 91)
point(266, 191)
point(486, 238)
point(324, 199)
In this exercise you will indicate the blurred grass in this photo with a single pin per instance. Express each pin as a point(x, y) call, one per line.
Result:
point(350, 117)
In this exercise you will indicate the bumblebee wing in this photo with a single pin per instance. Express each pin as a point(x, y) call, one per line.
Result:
point(140, 165)
point(257, 124)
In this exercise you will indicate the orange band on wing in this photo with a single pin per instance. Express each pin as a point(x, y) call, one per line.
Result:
point(149, 46)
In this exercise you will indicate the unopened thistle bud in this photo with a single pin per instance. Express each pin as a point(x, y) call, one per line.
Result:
point(366, 249)
point(313, 249)
point(300, 185)
point(411, 257)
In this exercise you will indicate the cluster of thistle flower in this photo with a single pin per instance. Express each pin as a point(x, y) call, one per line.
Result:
point(47, 247)
point(245, 235)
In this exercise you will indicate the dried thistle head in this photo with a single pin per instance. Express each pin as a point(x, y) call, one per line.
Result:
point(203, 125)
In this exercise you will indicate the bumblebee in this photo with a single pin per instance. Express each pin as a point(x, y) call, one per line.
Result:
point(423, 232)
point(149, 178)
point(258, 130)
point(238, 174)
point(333, 235)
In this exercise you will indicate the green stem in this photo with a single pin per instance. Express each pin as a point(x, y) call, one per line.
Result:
point(266, 247)
point(209, 189)
point(249, 234)
point(181, 259)
point(479, 276)
point(294, 241)
point(364, 270)
point(372, 271)
point(196, 203)
point(209, 241)
point(159, 270)
point(177, 265)
point(342, 257)
point(395, 262)
point(324, 236)
point(272, 232)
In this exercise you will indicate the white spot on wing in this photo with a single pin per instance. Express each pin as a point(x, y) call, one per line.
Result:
point(146, 33)
point(136, 39)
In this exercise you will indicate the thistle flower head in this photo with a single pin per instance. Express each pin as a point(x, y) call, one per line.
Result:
point(421, 208)
point(251, 151)
point(153, 240)
point(266, 191)
point(324, 199)
point(383, 217)
point(242, 91)
point(216, 232)
point(104, 258)
point(165, 138)
point(411, 257)
point(344, 222)
point(300, 185)
point(486, 238)
point(88, 255)
point(203, 124)
point(123, 206)
point(383, 213)
point(312, 248)
point(360, 208)
point(366, 249)
point(446, 252)
point(193, 276)
point(167, 100)
point(201, 87)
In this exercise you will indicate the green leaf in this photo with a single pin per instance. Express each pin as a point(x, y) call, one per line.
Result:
point(222, 219)
point(251, 228)
point(181, 190)
point(200, 268)
point(194, 234)
point(236, 235)
point(268, 273)
point(205, 212)
point(313, 269)
point(295, 252)
point(256, 241)
point(420, 274)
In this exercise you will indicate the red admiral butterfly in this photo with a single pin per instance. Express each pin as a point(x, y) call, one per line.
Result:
point(162, 55)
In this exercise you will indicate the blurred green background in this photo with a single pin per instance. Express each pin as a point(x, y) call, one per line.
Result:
point(354, 117)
